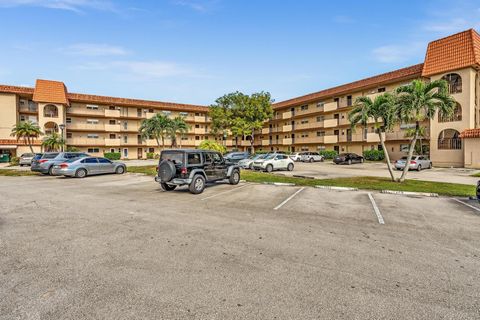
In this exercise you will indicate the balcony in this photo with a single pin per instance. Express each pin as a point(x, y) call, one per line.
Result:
point(399, 135)
point(351, 138)
point(229, 143)
point(199, 119)
point(265, 130)
point(86, 126)
point(244, 143)
point(112, 142)
point(199, 131)
point(265, 142)
point(343, 122)
point(197, 142)
point(314, 139)
point(112, 127)
point(150, 115)
point(373, 137)
point(287, 128)
point(286, 141)
point(331, 106)
point(309, 125)
point(330, 123)
point(330, 139)
point(85, 141)
point(112, 113)
point(287, 115)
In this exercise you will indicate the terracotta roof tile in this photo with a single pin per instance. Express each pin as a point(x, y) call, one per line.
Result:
point(453, 52)
point(385, 78)
point(16, 89)
point(470, 133)
point(50, 91)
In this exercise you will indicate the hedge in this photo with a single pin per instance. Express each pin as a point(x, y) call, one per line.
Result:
point(374, 155)
point(112, 155)
point(151, 155)
point(328, 154)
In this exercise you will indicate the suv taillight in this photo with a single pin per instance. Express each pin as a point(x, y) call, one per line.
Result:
point(183, 170)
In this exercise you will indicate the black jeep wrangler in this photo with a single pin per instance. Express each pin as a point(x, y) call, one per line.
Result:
point(178, 167)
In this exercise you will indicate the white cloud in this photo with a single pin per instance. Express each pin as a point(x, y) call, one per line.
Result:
point(93, 49)
point(70, 5)
point(197, 5)
point(397, 53)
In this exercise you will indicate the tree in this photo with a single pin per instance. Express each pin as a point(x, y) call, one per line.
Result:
point(420, 101)
point(221, 115)
point(27, 131)
point(53, 142)
point(240, 128)
point(177, 126)
point(155, 128)
point(382, 111)
point(212, 145)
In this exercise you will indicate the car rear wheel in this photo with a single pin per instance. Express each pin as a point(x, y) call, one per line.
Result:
point(269, 168)
point(81, 173)
point(349, 162)
point(197, 185)
point(290, 167)
point(120, 170)
point(419, 168)
point(250, 166)
point(50, 171)
point(167, 187)
point(234, 177)
point(311, 160)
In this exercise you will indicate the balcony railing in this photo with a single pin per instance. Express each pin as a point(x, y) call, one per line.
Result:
point(450, 144)
point(330, 123)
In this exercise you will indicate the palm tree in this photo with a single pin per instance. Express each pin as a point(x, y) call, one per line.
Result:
point(53, 142)
point(27, 131)
point(382, 111)
point(156, 128)
point(420, 101)
point(177, 126)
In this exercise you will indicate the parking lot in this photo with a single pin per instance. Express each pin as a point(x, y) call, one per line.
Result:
point(118, 247)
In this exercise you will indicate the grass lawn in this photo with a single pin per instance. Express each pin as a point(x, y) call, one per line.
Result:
point(17, 173)
point(476, 175)
point(369, 183)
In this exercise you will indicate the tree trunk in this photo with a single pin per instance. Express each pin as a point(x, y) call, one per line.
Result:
point(158, 144)
point(253, 139)
point(163, 142)
point(236, 142)
point(28, 141)
point(180, 144)
point(387, 156)
point(410, 153)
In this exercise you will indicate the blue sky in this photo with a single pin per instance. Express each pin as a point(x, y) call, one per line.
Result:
point(193, 51)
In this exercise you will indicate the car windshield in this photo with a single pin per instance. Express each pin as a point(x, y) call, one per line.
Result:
point(38, 156)
point(25, 155)
point(270, 156)
point(343, 154)
point(175, 157)
point(404, 158)
point(50, 155)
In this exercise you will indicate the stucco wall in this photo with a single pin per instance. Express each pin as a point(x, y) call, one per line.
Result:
point(472, 153)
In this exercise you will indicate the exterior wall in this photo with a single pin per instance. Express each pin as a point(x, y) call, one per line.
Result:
point(8, 114)
point(472, 153)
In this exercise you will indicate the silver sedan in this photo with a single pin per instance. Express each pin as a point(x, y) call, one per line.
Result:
point(417, 163)
point(82, 167)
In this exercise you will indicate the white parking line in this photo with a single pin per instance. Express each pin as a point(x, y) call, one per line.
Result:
point(288, 199)
point(468, 205)
point(219, 194)
point(375, 208)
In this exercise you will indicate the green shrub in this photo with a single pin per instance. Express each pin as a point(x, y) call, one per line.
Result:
point(374, 155)
point(72, 149)
point(112, 155)
point(328, 154)
point(212, 145)
point(151, 155)
point(14, 161)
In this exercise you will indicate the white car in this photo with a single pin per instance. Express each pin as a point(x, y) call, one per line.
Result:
point(274, 162)
point(248, 163)
point(296, 156)
point(311, 157)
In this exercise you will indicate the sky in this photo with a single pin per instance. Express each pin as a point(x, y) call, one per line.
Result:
point(194, 51)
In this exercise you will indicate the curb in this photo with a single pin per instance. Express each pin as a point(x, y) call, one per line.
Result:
point(279, 183)
point(337, 188)
point(410, 193)
point(304, 177)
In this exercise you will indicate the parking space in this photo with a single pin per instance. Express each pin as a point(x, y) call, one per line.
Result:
point(118, 246)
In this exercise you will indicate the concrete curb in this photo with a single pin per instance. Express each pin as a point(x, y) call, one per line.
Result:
point(304, 177)
point(279, 183)
point(410, 193)
point(337, 188)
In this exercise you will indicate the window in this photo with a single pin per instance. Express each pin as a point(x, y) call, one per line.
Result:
point(90, 160)
point(449, 139)
point(68, 120)
point(92, 136)
point(112, 136)
point(125, 153)
point(92, 107)
point(197, 126)
point(404, 147)
point(167, 113)
point(193, 158)
point(455, 116)
point(304, 107)
point(320, 104)
point(139, 112)
point(112, 122)
point(103, 160)
point(337, 101)
point(349, 101)
point(197, 137)
point(125, 139)
point(320, 118)
point(454, 82)
point(381, 89)
point(92, 121)
point(125, 125)
point(93, 150)
point(23, 117)
point(320, 133)
point(304, 121)
point(50, 111)
point(69, 135)
point(151, 150)
point(183, 114)
point(112, 108)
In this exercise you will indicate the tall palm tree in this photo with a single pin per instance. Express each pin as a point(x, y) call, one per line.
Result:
point(382, 111)
point(53, 142)
point(27, 131)
point(420, 101)
point(177, 126)
point(156, 128)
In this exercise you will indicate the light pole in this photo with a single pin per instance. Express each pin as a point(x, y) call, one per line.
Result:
point(62, 128)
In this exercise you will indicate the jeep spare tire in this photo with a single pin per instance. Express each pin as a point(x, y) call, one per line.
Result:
point(166, 170)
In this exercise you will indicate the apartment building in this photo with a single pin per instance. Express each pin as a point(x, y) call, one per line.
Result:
point(316, 121)
point(319, 121)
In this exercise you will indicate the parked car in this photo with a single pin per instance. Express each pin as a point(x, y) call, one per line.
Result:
point(311, 157)
point(46, 162)
point(274, 161)
point(478, 190)
point(417, 163)
point(348, 158)
point(296, 156)
point(194, 168)
point(248, 163)
point(235, 157)
point(87, 166)
point(26, 159)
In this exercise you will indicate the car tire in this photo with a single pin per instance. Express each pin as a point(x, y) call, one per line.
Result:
point(80, 173)
point(290, 167)
point(269, 168)
point(197, 185)
point(349, 162)
point(167, 187)
point(120, 170)
point(234, 177)
point(311, 160)
point(250, 166)
point(430, 166)
point(419, 168)
point(50, 171)
point(362, 160)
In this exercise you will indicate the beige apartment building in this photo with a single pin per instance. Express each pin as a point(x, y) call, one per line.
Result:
point(317, 121)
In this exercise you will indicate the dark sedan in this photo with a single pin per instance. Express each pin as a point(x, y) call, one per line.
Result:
point(348, 158)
